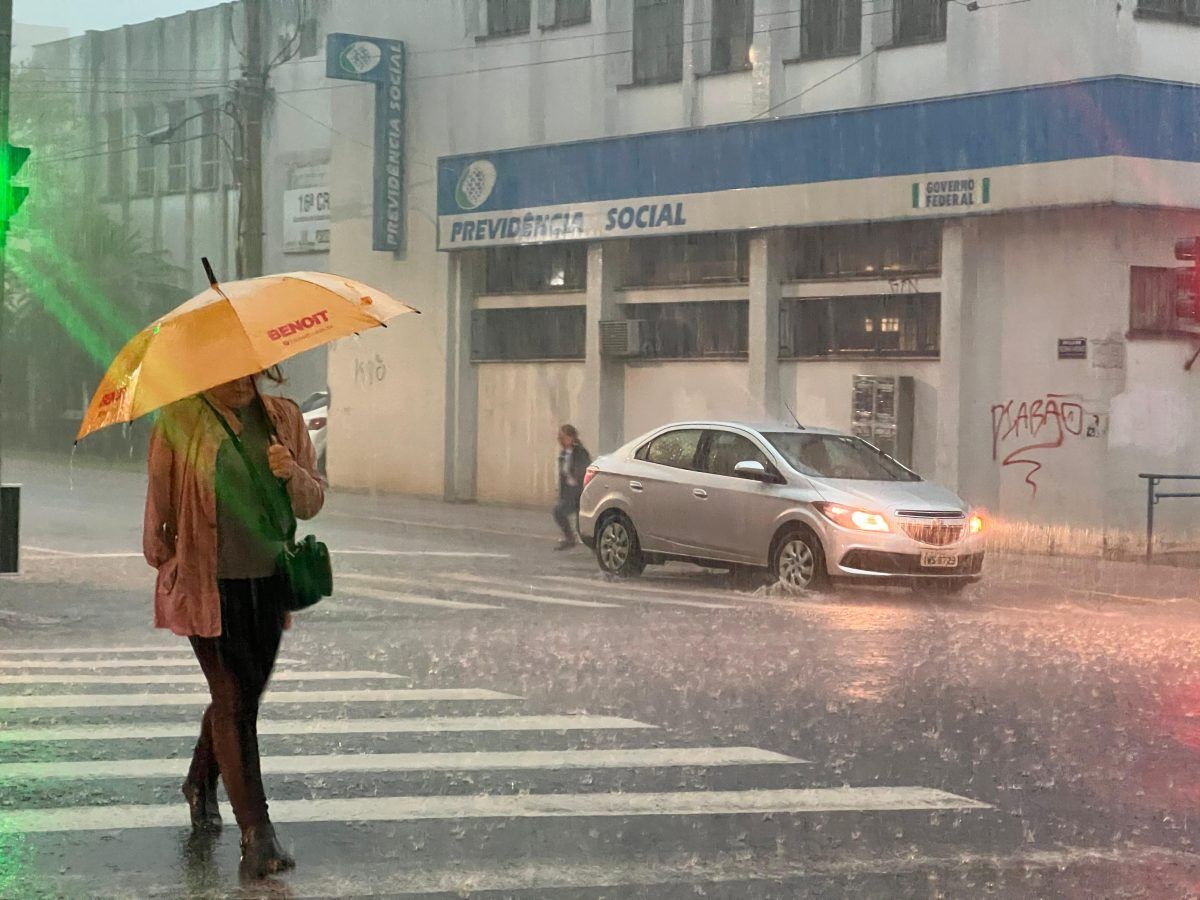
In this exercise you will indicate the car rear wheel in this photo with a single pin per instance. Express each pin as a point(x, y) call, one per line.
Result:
point(799, 562)
point(617, 548)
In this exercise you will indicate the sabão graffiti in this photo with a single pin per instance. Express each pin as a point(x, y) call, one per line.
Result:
point(1040, 426)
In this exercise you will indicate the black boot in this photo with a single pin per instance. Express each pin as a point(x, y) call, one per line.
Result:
point(261, 853)
point(202, 804)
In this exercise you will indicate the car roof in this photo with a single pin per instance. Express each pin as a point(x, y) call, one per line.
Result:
point(753, 426)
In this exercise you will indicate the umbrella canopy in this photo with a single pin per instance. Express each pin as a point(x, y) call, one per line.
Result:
point(229, 331)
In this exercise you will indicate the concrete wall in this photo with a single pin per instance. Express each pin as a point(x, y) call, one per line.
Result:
point(521, 407)
point(659, 393)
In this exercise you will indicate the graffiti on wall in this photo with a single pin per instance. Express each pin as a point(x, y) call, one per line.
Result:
point(1040, 427)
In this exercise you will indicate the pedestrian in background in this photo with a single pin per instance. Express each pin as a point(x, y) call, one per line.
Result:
point(573, 461)
point(214, 537)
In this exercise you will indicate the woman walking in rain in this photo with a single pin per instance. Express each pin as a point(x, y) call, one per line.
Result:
point(573, 460)
point(215, 538)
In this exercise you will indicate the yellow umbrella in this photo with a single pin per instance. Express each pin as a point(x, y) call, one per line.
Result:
point(230, 331)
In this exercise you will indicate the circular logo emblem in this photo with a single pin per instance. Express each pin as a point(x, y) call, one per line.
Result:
point(475, 185)
point(360, 57)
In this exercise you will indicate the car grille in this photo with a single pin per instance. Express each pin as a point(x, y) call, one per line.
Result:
point(934, 534)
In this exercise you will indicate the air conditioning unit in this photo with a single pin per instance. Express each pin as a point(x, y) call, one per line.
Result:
point(626, 337)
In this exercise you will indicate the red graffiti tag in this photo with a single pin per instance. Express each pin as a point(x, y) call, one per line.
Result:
point(1054, 416)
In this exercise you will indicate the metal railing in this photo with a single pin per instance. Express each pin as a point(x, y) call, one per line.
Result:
point(1153, 495)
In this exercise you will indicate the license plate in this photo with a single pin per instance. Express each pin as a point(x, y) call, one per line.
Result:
point(933, 560)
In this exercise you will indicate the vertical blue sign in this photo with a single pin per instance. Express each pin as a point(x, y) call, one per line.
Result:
point(354, 57)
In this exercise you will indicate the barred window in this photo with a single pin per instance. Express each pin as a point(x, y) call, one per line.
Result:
point(1152, 302)
point(732, 35)
point(572, 12)
point(707, 258)
point(538, 333)
point(507, 17)
point(177, 148)
point(717, 329)
point(918, 21)
point(873, 249)
point(209, 125)
point(529, 270)
point(830, 28)
point(1181, 10)
point(874, 325)
point(144, 117)
point(115, 147)
point(657, 41)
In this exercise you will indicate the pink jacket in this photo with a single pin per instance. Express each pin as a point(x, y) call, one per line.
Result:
point(180, 532)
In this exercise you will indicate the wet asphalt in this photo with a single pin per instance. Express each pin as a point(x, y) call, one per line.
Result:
point(1037, 737)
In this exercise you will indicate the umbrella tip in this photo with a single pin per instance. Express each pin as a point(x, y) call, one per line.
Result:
point(208, 270)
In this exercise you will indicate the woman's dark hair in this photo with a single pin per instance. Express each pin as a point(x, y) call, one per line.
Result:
point(570, 431)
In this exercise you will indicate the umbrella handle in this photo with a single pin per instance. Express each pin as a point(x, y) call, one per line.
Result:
point(208, 270)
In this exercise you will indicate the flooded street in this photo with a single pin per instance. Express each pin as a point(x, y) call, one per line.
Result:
point(473, 713)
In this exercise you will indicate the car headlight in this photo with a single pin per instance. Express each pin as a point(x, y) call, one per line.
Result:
point(855, 519)
point(976, 524)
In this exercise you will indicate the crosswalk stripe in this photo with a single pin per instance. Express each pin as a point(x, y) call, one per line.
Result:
point(550, 760)
point(156, 663)
point(179, 647)
point(289, 675)
point(413, 600)
point(89, 701)
point(487, 592)
point(397, 725)
point(480, 579)
point(510, 806)
point(448, 554)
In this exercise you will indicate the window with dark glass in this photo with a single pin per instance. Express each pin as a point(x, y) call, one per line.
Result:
point(1152, 302)
point(144, 117)
point(530, 270)
point(876, 325)
point(721, 258)
point(724, 450)
point(657, 41)
point(505, 17)
point(732, 35)
point(716, 329)
point(115, 143)
point(869, 250)
point(1181, 10)
point(309, 38)
point(830, 28)
point(177, 147)
point(572, 12)
point(676, 449)
point(538, 333)
point(918, 21)
point(209, 125)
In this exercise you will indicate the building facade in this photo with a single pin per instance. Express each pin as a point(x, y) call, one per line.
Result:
point(781, 196)
point(161, 114)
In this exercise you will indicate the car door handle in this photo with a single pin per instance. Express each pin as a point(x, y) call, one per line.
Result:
point(700, 493)
point(635, 486)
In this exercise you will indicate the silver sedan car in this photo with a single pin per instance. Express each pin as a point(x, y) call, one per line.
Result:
point(808, 504)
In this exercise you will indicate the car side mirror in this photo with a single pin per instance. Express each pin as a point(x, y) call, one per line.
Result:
point(751, 470)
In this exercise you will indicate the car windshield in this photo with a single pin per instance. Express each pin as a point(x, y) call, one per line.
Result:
point(838, 456)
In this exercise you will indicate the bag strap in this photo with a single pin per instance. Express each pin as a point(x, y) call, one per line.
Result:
point(264, 494)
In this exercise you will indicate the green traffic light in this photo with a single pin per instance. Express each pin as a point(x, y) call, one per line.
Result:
point(11, 161)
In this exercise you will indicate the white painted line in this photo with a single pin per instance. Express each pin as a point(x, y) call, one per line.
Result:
point(482, 579)
point(180, 647)
point(88, 701)
point(400, 725)
point(511, 806)
point(450, 554)
point(435, 526)
point(288, 675)
point(549, 760)
point(500, 594)
point(156, 663)
point(47, 552)
point(648, 588)
point(412, 600)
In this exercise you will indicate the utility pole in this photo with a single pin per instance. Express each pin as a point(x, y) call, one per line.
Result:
point(10, 495)
point(252, 100)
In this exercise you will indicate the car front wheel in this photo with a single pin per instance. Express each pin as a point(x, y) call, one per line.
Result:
point(617, 548)
point(799, 562)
